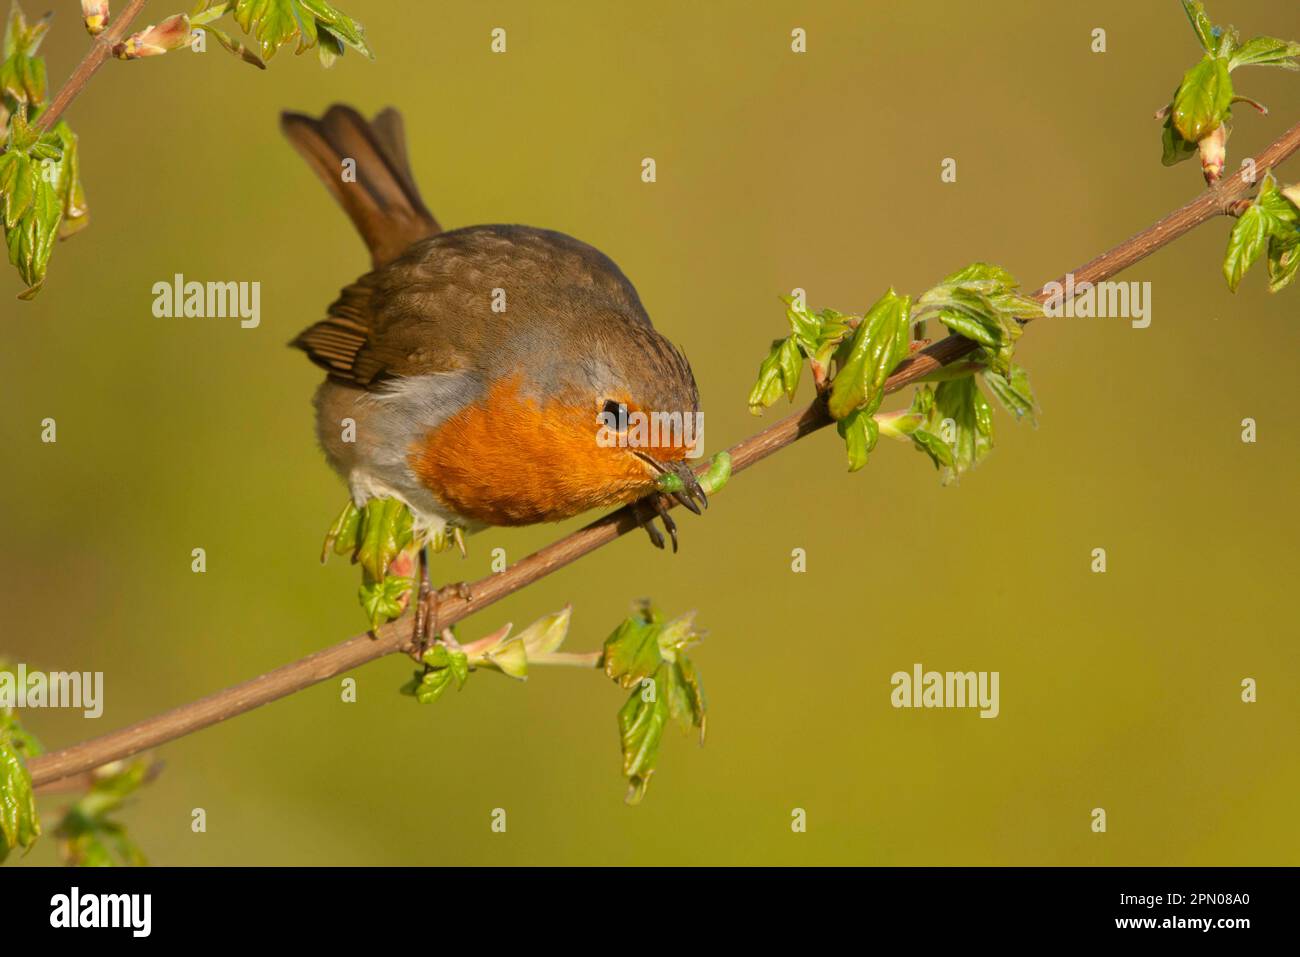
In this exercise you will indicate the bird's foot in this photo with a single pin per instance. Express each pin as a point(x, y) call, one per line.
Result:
point(457, 590)
point(427, 619)
point(652, 507)
point(420, 636)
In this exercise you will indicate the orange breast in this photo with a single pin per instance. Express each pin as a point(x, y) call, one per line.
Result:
point(508, 460)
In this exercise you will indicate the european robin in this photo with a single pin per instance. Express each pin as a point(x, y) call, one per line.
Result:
point(480, 365)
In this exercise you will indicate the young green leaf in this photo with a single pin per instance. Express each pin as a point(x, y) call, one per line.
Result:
point(17, 185)
point(31, 239)
point(1175, 148)
point(1281, 211)
point(1267, 51)
point(453, 659)
point(814, 335)
point(329, 47)
point(878, 345)
point(344, 536)
point(429, 685)
point(382, 600)
point(686, 701)
point(771, 382)
point(444, 666)
point(899, 425)
point(648, 655)
point(22, 72)
point(790, 360)
point(924, 437)
point(343, 27)
point(386, 526)
point(969, 314)
point(677, 635)
point(1246, 244)
point(274, 23)
point(1014, 392)
point(818, 334)
point(939, 451)
point(547, 633)
point(236, 47)
point(1203, 99)
point(1013, 306)
point(983, 304)
point(641, 723)
point(804, 325)
point(1270, 216)
point(860, 431)
point(75, 211)
point(1201, 24)
point(508, 656)
point(995, 277)
point(46, 214)
point(19, 823)
point(1229, 41)
point(1283, 261)
point(961, 418)
point(632, 650)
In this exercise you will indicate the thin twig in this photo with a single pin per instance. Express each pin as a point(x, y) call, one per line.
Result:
point(395, 636)
point(101, 48)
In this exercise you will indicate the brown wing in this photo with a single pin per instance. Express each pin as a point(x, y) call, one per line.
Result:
point(334, 343)
point(431, 310)
point(406, 318)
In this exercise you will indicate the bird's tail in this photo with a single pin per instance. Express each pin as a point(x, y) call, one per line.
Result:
point(364, 166)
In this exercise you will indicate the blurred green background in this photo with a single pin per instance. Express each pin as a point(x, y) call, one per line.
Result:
point(775, 170)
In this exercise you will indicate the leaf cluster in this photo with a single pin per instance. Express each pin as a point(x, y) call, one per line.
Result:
point(1203, 101)
point(88, 836)
point(950, 424)
point(373, 536)
point(648, 655)
point(20, 825)
point(1269, 225)
point(447, 663)
point(273, 24)
point(41, 195)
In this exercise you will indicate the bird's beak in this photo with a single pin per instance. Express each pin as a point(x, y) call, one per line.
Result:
point(677, 479)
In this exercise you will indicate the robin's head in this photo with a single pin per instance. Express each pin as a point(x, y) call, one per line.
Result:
point(593, 424)
point(648, 420)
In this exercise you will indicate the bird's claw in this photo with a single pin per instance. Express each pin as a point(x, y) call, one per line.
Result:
point(656, 507)
point(690, 490)
point(459, 589)
point(420, 633)
point(426, 610)
point(678, 481)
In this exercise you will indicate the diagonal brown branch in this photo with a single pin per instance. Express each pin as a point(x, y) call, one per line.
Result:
point(394, 637)
point(101, 48)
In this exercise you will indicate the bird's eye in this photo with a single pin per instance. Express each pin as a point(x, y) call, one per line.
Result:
point(612, 408)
